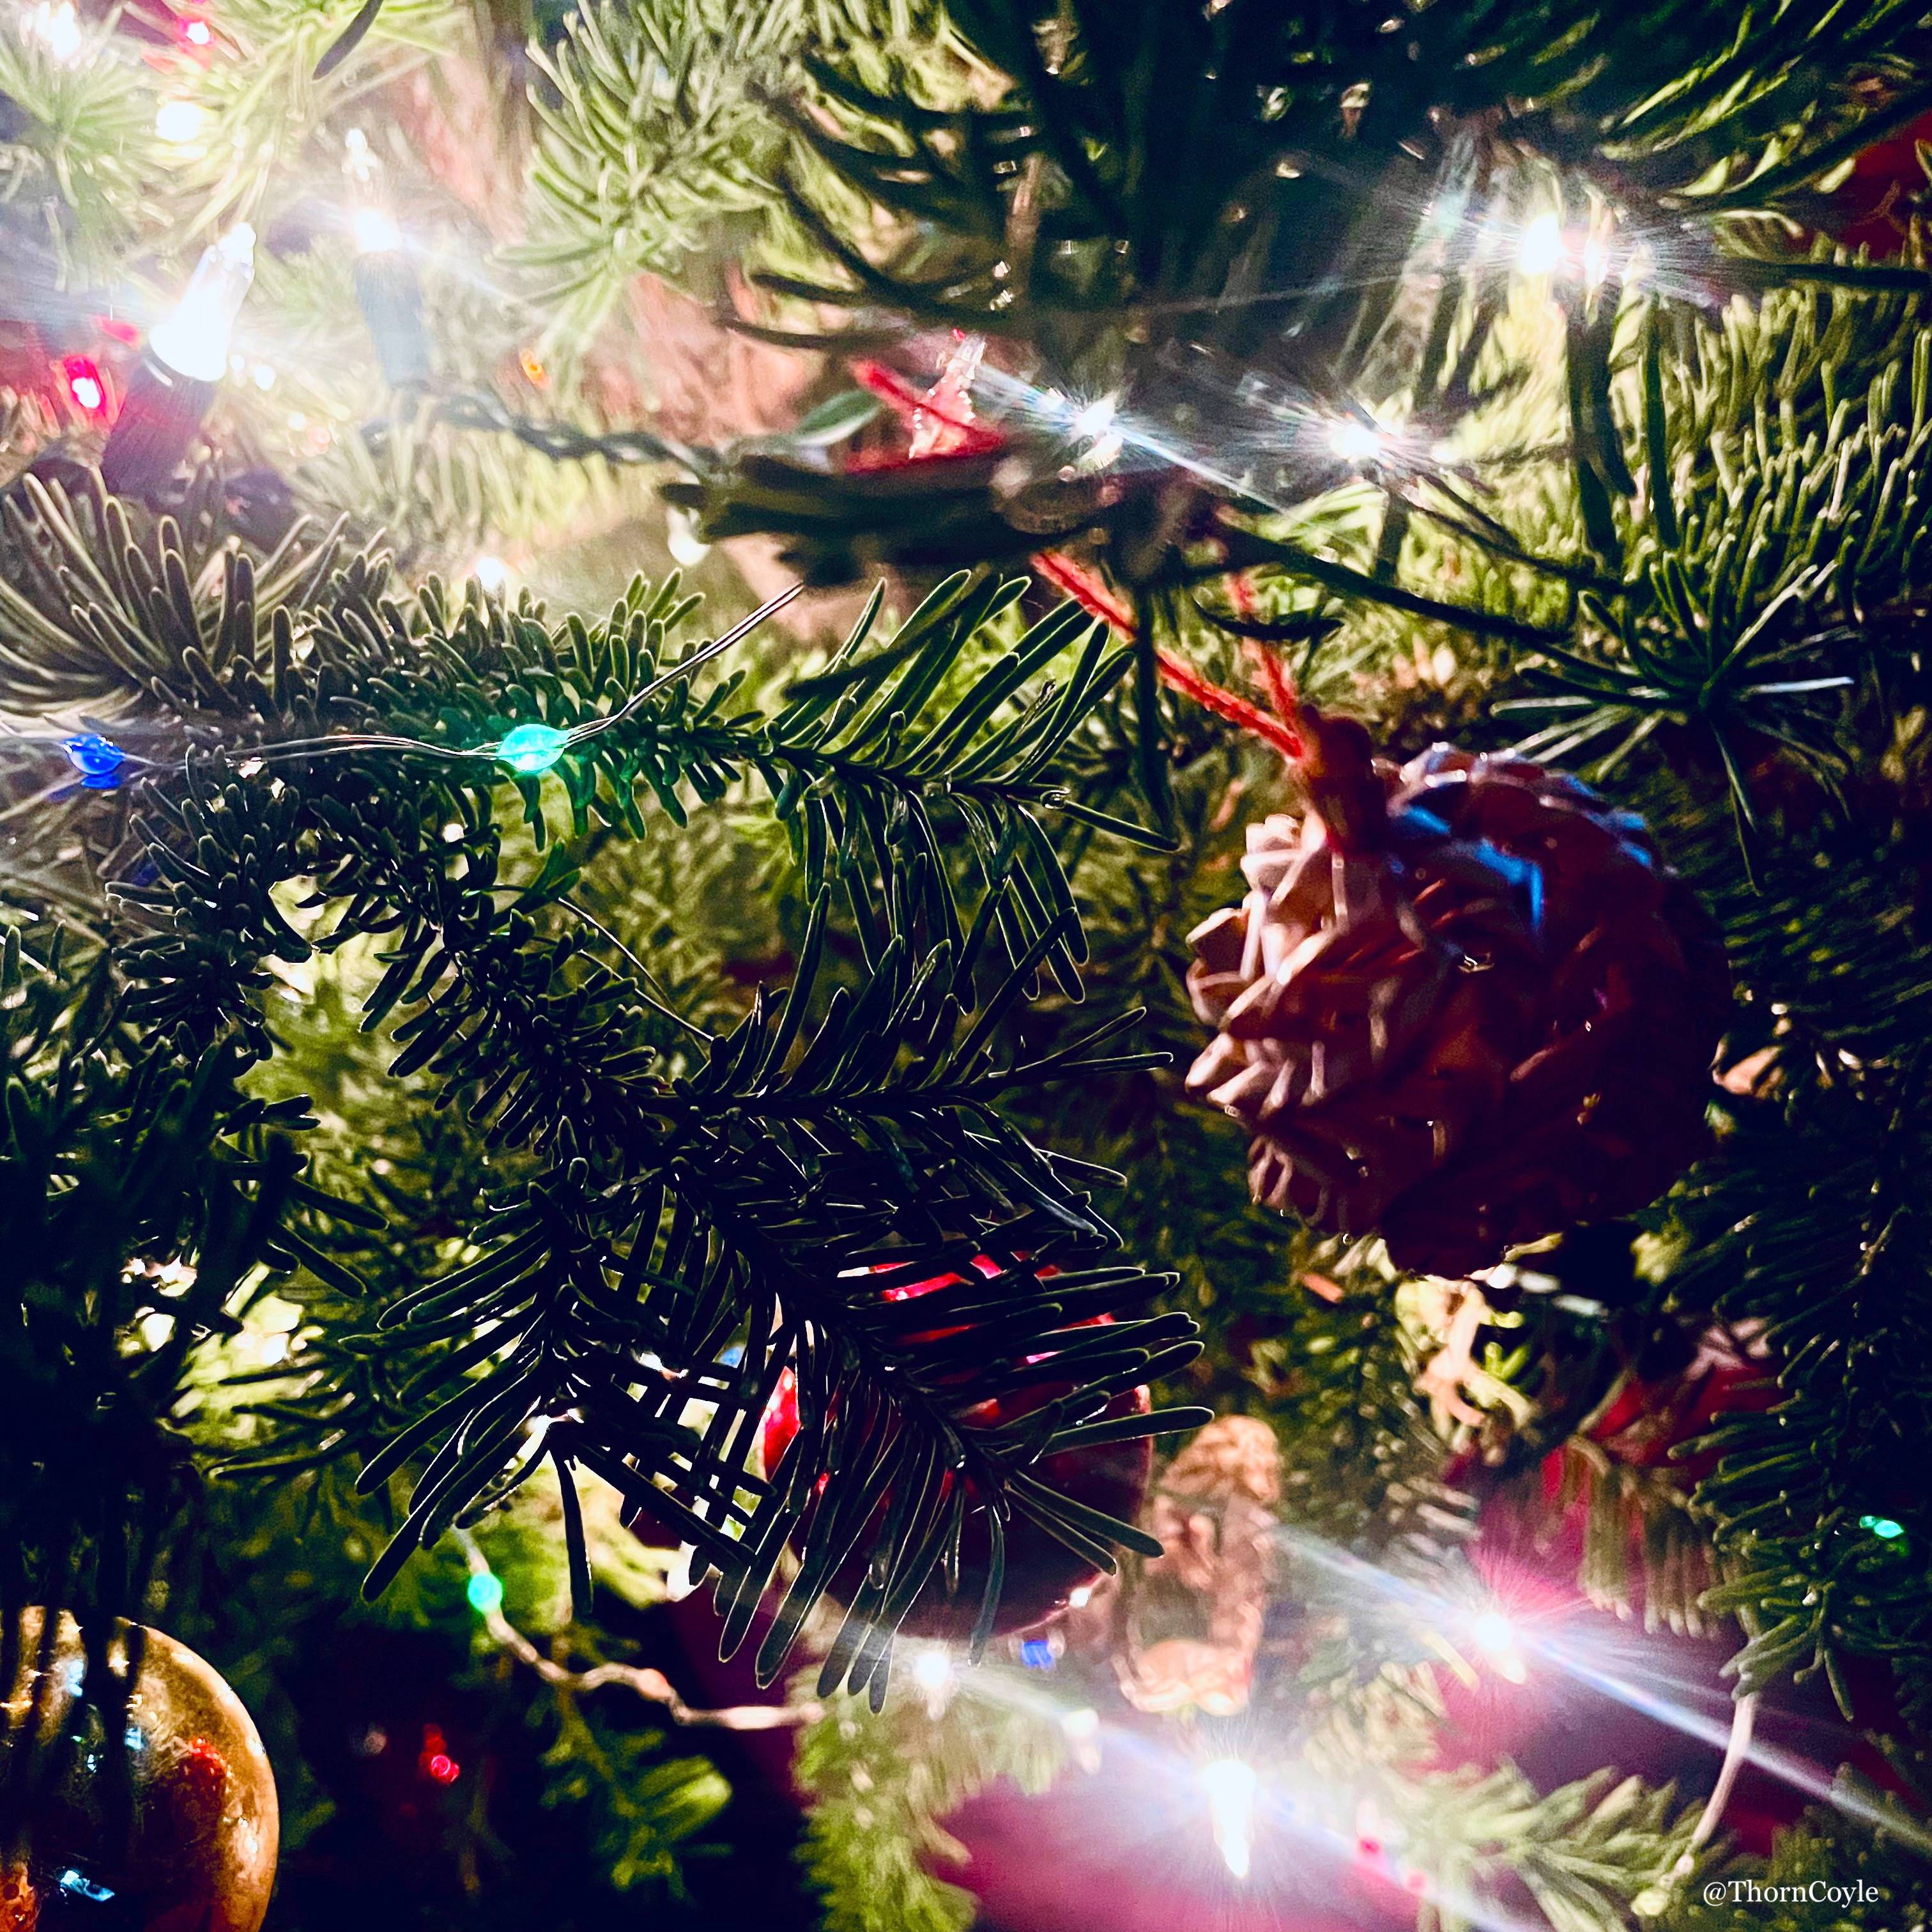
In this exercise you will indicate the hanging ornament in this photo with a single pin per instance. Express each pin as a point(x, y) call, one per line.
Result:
point(188, 1845)
point(174, 381)
point(1042, 1575)
point(1463, 1006)
point(1875, 203)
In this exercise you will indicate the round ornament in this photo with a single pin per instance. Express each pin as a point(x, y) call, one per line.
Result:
point(188, 1845)
point(1462, 1006)
point(1042, 1573)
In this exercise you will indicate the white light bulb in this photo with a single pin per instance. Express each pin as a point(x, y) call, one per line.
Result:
point(932, 1671)
point(1496, 1637)
point(57, 28)
point(491, 572)
point(1355, 442)
point(1096, 419)
point(179, 123)
point(1542, 246)
point(1230, 1785)
point(681, 538)
point(194, 341)
point(197, 34)
point(376, 232)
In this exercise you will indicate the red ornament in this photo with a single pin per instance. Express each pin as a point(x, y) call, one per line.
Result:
point(1042, 1573)
point(1873, 206)
point(1463, 1006)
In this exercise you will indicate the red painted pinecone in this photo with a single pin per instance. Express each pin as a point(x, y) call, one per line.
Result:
point(1464, 1006)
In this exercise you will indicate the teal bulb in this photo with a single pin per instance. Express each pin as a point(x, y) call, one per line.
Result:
point(531, 749)
point(485, 1591)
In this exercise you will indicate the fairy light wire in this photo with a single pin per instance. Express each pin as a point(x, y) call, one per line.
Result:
point(346, 743)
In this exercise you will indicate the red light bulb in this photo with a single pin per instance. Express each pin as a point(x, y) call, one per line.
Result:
point(86, 386)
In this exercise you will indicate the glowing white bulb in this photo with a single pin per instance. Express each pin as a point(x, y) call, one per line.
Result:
point(932, 1671)
point(1230, 1785)
point(179, 123)
point(1496, 1637)
point(57, 28)
point(197, 34)
point(194, 341)
point(1079, 1596)
point(492, 572)
point(265, 376)
point(1096, 419)
point(681, 538)
point(1542, 246)
point(1355, 442)
point(376, 232)
point(87, 392)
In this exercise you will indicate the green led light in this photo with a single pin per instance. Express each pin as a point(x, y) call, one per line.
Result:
point(1882, 1526)
point(486, 1591)
point(531, 749)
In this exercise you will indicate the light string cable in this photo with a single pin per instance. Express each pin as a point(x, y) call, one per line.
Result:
point(529, 748)
point(553, 742)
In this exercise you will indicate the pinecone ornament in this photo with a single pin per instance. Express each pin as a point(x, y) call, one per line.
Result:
point(1463, 1006)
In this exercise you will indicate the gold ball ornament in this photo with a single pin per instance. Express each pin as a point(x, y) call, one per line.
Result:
point(193, 1849)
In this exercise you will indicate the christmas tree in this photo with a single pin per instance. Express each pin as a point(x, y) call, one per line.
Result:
point(958, 964)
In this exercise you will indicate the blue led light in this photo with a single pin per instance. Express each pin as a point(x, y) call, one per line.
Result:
point(77, 1885)
point(1882, 1527)
point(532, 749)
point(98, 760)
point(1037, 1653)
point(485, 1591)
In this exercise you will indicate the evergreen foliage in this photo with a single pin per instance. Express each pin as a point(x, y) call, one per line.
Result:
point(558, 1114)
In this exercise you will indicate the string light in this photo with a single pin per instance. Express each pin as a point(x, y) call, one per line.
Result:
point(532, 748)
point(681, 538)
point(1541, 248)
point(1496, 1637)
point(387, 289)
point(81, 377)
point(194, 341)
point(1882, 1527)
point(528, 749)
point(1231, 1785)
point(57, 28)
point(435, 1762)
point(1355, 441)
point(1037, 1653)
point(179, 123)
point(376, 232)
point(197, 33)
point(484, 1591)
point(174, 383)
point(491, 572)
point(99, 761)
